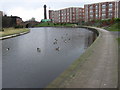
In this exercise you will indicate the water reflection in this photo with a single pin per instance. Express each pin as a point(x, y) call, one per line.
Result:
point(35, 59)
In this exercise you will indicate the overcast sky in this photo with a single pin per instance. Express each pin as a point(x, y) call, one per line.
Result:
point(26, 9)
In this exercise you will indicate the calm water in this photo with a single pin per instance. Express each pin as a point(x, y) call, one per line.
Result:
point(26, 67)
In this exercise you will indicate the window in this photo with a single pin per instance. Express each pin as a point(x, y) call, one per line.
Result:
point(96, 6)
point(103, 10)
point(91, 11)
point(91, 16)
point(73, 14)
point(103, 6)
point(103, 16)
point(110, 14)
point(110, 5)
point(96, 15)
point(91, 7)
point(110, 9)
point(96, 11)
point(67, 20)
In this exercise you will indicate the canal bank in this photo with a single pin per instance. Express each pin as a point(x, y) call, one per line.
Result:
point(96, 68)
point(11, 32)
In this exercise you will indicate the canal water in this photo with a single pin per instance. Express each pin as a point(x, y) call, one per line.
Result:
point(35, 59)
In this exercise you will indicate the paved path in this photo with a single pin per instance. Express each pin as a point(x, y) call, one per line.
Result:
point(100, 69)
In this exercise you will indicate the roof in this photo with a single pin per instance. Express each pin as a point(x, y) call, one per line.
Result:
point(45, 20)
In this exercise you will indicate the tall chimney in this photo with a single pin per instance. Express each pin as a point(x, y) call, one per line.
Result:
point(45, 14)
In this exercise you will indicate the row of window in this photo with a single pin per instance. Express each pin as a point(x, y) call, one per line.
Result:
point(103, 14)
point(103, 6)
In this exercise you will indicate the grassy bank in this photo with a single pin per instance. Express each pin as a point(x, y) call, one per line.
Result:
point(118, 40)
point(11, 31)
point(113, 27)
point(49, 24)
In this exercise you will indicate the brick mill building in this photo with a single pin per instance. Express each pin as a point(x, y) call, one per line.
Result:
point(67, 15)
point(103, 10)
point(96, 11)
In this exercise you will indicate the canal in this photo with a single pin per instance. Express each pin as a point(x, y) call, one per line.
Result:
point(35, 59)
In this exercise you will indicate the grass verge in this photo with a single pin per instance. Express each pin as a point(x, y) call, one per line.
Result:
point(118, 40)
point(49, 24)
point(114, 27)
point(11, 31)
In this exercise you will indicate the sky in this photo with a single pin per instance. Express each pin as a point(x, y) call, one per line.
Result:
point(26, 9)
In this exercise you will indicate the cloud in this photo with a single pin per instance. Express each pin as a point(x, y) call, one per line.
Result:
point(26, 14)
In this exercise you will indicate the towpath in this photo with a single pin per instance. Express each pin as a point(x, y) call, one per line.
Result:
point(100, 68)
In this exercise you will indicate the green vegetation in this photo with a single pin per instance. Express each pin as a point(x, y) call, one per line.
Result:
point(11, 31)
point(118, 40)
point(108, 24)
point(114, 27)
point(49, 24)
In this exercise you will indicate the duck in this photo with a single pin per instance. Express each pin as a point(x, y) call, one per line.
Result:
point(38, 49)
point(55, 42)
point(8, 49)
point(56, 39)
point(65, 41)
point(58, 48)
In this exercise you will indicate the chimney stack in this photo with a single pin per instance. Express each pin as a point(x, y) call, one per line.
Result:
point(45, 13)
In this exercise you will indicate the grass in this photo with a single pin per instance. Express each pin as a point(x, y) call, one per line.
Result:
point(114, 27)
point(11, 31)
point(118, 40)
point(48, 24)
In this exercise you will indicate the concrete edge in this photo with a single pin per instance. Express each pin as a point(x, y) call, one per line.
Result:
point(13, 35)
point(70, 71)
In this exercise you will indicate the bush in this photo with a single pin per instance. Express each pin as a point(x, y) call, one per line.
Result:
point(18, 26)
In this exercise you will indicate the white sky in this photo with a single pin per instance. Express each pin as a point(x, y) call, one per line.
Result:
point(26, 9)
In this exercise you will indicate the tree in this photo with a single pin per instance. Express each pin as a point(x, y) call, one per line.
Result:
point(32, 19)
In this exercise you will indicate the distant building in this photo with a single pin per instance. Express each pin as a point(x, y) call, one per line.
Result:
point(11, 21)
point(118, 3)
point(18, 21)
point(1, 13)
point(45, 13)
point(103, 10)
point(67, 15)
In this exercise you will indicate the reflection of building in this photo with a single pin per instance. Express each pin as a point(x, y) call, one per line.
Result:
point(103, 10)
point(67, 15)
